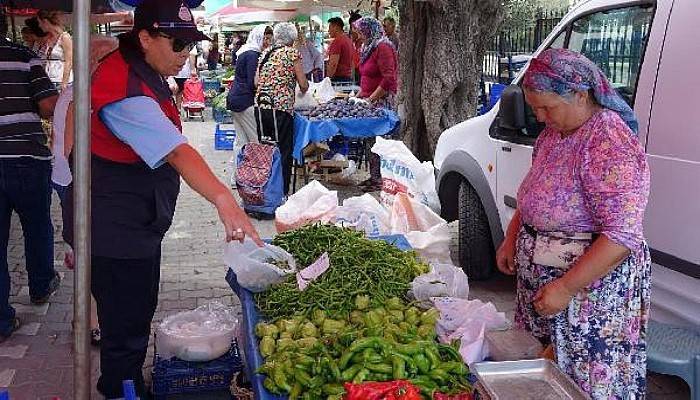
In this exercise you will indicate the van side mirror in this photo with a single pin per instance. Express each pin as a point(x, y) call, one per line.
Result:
point(511, 114)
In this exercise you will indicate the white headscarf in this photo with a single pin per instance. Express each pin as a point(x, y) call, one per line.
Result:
point(255, 40)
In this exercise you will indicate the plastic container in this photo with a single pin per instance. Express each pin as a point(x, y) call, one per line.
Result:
point(512, 345)
point(171, 377)
point(224, 137)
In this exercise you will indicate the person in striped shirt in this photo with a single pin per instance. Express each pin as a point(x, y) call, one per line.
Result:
point(26, 96)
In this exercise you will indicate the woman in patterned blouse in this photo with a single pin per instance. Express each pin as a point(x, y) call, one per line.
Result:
point(576, 240)
point(279, 71)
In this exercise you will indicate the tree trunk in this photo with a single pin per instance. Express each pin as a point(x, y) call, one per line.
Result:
point(442, 49)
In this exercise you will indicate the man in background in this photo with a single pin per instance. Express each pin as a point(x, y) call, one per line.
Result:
point(390, 30)
point(340, 53)
point(25, 173)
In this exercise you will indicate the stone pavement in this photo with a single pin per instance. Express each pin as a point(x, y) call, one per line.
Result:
point(37, 363)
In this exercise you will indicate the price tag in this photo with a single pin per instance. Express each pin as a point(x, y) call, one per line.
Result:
point(313, 271)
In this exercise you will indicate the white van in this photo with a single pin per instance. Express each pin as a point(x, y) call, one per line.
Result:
point(650, 51)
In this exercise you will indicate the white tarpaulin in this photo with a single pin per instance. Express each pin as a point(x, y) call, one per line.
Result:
point(307, 6)
point(231, 15)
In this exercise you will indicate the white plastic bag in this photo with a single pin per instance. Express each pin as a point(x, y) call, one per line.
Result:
point(305, 100)
point(363, 213)
point(443, 280)
point(402, 172)
point(252, 264)
point(426, 231)
point(202, 334)
point(325, 91)
point(311, 203)
point(467, 321)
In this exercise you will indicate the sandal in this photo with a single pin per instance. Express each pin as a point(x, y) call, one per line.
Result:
point(95, 337)
point(16, 323)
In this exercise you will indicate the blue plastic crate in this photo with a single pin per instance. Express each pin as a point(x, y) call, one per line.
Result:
point(224, 139)
point(175, 376)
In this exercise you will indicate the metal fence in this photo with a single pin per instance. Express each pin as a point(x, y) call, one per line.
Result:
point(501, 58)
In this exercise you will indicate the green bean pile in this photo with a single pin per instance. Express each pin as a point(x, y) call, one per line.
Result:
point(358, 266)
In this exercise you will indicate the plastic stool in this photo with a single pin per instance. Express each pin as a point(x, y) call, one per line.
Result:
point(675, 351)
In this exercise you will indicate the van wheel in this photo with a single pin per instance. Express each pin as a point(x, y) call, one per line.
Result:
point(476, 253)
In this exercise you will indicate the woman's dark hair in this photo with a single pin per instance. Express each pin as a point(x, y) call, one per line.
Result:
point(33, 25)
point(268, 30)
point(52, 16)
point(337, 21)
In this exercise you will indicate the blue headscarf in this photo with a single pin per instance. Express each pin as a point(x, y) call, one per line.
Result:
point(563, 72)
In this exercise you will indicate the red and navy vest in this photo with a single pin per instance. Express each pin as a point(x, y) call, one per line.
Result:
point(123, 74)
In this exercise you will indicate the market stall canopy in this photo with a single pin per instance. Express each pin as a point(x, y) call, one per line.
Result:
point(231, 15)
point(98, 6)
point(309, 6)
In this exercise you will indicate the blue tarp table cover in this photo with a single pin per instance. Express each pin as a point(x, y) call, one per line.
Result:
point(252, 357)
point(306, 131)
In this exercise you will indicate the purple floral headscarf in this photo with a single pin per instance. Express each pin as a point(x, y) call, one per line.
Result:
point(373, 30)
point(563, 71)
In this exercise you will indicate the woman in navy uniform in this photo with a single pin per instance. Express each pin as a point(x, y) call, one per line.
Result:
point(138, 157)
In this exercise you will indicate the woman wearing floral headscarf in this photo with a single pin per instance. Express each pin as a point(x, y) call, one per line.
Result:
point(576, 241)
point(378, 78)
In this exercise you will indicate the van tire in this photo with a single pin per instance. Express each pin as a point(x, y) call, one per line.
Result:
point(476, 252)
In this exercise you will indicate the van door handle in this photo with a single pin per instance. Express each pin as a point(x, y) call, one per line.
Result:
point(510, 202)
point(506, 149)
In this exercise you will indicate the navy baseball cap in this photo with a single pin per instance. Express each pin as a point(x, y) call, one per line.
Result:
point(171, 17)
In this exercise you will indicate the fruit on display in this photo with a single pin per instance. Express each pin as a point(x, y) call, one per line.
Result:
point(340, 108)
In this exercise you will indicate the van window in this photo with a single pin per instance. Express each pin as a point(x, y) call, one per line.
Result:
point(615, 40)
point(559, 41)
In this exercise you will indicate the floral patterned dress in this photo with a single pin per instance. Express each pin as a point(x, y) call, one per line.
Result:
point(596, 180)
point(277, 80)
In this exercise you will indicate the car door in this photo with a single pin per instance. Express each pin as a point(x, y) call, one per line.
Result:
point(615, 39)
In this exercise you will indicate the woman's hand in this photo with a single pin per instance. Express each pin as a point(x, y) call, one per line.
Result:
point(552, 298)
point(236, 222)
point(505, 256)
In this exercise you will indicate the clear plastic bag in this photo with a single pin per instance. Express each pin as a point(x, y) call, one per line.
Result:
point(467, 321)
point(443, 280)
point(426, 231)
point(258, 268)
point(202, 334)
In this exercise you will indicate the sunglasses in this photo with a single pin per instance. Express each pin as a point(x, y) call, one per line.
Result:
point(179, 45)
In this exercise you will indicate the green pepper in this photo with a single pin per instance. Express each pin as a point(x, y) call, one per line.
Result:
point(295, 392)
point(362, 302)
point(398, 367)
point(439, 376)
point(316, 382)
point(280, 379)
point(412, 315)
point(357, 318)
point(372, 319)
point(450, 352)
point(318, 316)
point(430, 317)
point(380, 368)
point(360, 376)
point(426, 331)
point(332, 327)
point(350, 373)
point(269, 384)
point(333, 388)
point(335, 371)
point(262, 329)
point(395, 303)
point(455, 367)
point(302, 377)
point(309, 330)
point(433, 356)
point(409, 349)
point(306, 342)
point(267, 346)
point(422, 363)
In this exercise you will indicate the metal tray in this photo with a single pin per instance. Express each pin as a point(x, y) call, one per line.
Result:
point(538, 379)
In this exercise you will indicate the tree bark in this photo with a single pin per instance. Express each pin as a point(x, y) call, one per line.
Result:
point(443, 43)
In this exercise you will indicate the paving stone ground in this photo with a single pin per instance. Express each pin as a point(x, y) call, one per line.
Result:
point(37, 362)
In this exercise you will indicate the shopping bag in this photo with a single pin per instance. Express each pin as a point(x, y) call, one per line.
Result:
point(402, 172)
point(258, 268)
point(363, 213)
point(311, 203)
point(426, 231)
point(443, 280)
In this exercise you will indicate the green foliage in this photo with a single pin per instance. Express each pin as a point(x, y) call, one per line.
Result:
point(524, 13)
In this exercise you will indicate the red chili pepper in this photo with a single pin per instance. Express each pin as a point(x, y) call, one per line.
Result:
point(394, 390)
point(460, 396)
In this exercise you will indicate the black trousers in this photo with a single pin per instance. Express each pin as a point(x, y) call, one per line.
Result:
point(126, 292)
point(267, 120)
